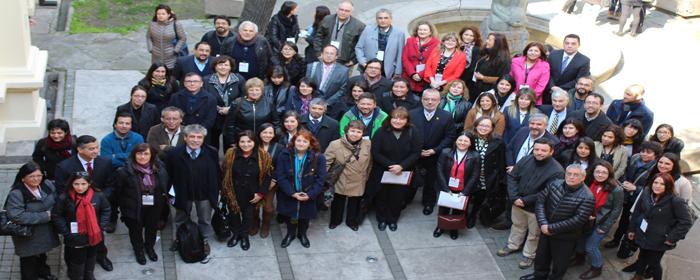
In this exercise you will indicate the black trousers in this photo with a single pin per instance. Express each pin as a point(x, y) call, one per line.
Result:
point(389, 202)
point(34, 267)
point(554, 252)
point(427, 170)
point(141, 234)
point(299, 228)
point(81, 262)
point(338, 208)
point(623, 222)
point(101, 250)
point(476, 199)
point(651, 259)
point(241, 222)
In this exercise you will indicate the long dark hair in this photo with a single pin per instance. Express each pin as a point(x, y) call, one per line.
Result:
point(675, 171)
point(166, 8)
point(669, 184)
point(592, 157)
point(79, 175)
point(611, 183)
point(247, 133)
point(146, 81)
point(263, 127)
point(287, 7)
point(142, 148)
point(578, 124)
point(25, 170)
point(321, 12)
point(500, 51)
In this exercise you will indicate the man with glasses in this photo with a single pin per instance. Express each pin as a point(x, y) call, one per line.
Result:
point(378, 84)
point(342, 31)
point(168, 134)
point(383, 42)
point(198, 105)
point(593, 118)
point(330, 76)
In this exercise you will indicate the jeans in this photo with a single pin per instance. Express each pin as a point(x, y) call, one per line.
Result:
point(593, 248)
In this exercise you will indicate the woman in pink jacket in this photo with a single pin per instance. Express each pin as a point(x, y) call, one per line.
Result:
point(531, 70)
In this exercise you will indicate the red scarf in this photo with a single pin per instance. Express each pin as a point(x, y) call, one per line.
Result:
point(86, 217)
point(600, 194)
point(63, 145)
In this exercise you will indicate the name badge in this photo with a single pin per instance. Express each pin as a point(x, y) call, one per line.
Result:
point(74, 227)
point(291, 40)
point(438, 77)
point(147, 199)
point(420, 68)
point(243, 67)
point(365, 137)
point(643, 225)
point(335, 44)
point(380, 55)
point(523, 86)
point(453, 183)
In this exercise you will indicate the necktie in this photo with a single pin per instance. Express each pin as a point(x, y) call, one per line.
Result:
point(314, 122)
point(555, 124)
point(564, 63)
point(193, 155)
point(89, 168)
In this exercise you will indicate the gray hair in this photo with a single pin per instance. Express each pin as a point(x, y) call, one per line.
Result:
point(194, 129)
point(558, 92)
point(538, 116)
point(248, 23)
point(319, 101)
point(577, 166)
point(431, 90)
point(172, 109)
point(383, 11)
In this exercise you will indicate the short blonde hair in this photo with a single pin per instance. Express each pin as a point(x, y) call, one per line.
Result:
point(254, 82)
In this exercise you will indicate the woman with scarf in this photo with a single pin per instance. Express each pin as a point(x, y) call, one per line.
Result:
point(300, 174)
point(471, 46)
point(141, 187)
point(571, 130)
point(399, 96)
point(634, 136)
point(247, 177)
point(492, 166)
point(446, 63)
point(226, 86)
point(353, 153)
point(455, 99)
point(415, 54)
point(485, 105)
point(79, 215)
point(283, 26)
point(159, 84)
point(300, 97)
point(274, 149)
point(56, 147)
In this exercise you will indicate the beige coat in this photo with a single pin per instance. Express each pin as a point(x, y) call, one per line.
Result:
point(352, 181)
point(619, 158)
point(159, 39)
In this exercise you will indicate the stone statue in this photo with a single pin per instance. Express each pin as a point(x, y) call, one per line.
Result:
point(509, 18)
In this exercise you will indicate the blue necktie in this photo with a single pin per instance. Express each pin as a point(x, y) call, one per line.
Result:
point(564, 63)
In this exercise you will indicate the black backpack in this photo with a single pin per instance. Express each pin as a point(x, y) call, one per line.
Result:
point(191, 242)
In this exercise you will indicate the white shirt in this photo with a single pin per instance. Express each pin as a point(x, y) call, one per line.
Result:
point(560, 118)
point(526, 148)
point(173, 136)
point(428, 115)
point(85, 162)
point(317, 120)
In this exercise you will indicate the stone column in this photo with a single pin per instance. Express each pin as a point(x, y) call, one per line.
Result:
point(22, 69)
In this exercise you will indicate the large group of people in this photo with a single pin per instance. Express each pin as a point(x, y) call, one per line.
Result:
point(524, 137)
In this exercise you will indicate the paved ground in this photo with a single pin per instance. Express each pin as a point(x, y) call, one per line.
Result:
point(100, 69)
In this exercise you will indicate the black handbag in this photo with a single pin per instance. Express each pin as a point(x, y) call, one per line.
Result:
point(10, 228)
point(220, 222)
point(332, 176)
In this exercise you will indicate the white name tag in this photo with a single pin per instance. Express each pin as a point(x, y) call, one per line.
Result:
point(243, 67)
point(453, 183)
point(335, 44)
point(74, 227)
point(365, 137)
point(523, 86)
point(291, 40)
point(438, 77)
point(380, 55)
point(420, 68)
point(147, 199)
point(643, 225)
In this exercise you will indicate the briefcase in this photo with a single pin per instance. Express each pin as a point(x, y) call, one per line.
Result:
point(452, 222)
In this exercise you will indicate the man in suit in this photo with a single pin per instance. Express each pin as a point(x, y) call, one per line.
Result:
point(378, 84)
point(199, 106)
point(383, 42)
point(330, 76)
point(556, 112)
point(100, 170)
point(631, 106)
point(168, 134)
point(435, 127)
point(524, 140)
point(577, 95)
point(593, 118)
point(342, 31)
point(567, 65)
point(323, 127)
point(198, 62)
point(143, 114)
point(196, 179)
point(221, 32)
point(251, 51)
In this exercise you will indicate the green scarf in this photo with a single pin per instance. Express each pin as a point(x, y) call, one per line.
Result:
point(450, 103)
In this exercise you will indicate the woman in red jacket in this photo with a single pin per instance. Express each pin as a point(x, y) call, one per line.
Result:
point(446, 63)
point(416, 52)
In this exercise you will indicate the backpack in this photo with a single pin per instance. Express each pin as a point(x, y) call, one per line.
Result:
point(191, 242)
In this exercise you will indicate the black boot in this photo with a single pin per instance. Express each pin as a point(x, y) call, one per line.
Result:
point(140, 257)
point(151, 253)
point(245, 243)
point(233, 241)
point(304, 240)
point(287, 240)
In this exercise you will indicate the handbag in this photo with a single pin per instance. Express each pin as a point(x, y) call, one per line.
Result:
point(11, 228)
point(220, 222)
point(452, 200)
point(452, 222)
point(184, 51)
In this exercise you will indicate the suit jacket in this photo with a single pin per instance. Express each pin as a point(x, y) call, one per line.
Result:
point(157, 136)
point(579, 66)
point(102, 171)
point(439, 134)
point(326, 132)
point(351, 34)
point(203, 112)
point(513, 147)
point(368, 46)
point(149, 117)
point(337, 82)
point(618, 112)
point(595, 127)
point(179, 174)
point(513, 124)
point(186, 64)
point(547, 111)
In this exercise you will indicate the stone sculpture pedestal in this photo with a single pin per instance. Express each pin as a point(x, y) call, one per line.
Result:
point(229, 8)
point(517, 36)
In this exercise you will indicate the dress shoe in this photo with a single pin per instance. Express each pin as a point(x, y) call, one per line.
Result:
point(471, 222)
point(287, 240)
point(151, 254)
point(500, 227)
point(530, 276)
point(207, 248)
point(427, 210)
point(304, 241)
point(630, 268)
point(232, 242)
point(612, 244)
point(253, 230)
point(593, 272)
point(437, 233)
point(175, 246)
point(381, 226)
point(454, 234)
point(140, 257)
point(245, 243)
point(111, 227)
point(393, 227)
point(332, 226)
point(354, 228)
point(106, 264)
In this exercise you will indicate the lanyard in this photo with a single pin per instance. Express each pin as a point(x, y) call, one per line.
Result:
point(339, 26)
point(459, 163)
point(421, 49)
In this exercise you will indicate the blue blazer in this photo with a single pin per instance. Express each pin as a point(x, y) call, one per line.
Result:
point(441, 134)
point(579, 66)
point(313, 177)
point(203, 112)
point(517, 141)
point(618, 115)
point(513, 124)
point(185, 64)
